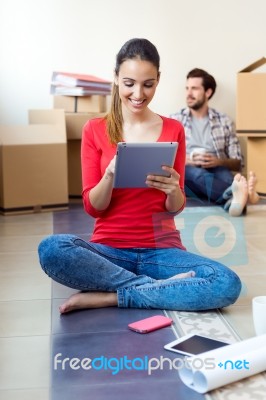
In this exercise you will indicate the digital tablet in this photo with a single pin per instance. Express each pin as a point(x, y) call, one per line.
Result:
point(191, 345)
point(134, 161)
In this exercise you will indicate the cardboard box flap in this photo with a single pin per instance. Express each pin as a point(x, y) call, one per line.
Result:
point(31, 135)
point(251, 98)
point(254, 65)
point(49, 117)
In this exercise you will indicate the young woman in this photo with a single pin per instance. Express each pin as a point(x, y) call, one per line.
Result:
point(135, 257)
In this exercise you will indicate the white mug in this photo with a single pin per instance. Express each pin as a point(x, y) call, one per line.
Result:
point(259, 314)
point(199, 150)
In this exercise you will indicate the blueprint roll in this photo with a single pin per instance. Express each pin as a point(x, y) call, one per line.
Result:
point(228, 364)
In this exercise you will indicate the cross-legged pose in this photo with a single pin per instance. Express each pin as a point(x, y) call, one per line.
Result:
point(135, 257)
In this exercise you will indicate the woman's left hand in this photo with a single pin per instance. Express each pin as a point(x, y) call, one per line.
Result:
point(168, 185)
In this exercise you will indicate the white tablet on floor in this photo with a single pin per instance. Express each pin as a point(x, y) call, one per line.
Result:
point(191, 345)
point(135, 161)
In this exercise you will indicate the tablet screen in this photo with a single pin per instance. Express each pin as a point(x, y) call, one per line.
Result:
point(135, 161)
point(197, 345)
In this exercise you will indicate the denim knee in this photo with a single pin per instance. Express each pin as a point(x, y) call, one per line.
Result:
point(232, 288)
point(236, 286)
point(45, 251)
point(51, 249)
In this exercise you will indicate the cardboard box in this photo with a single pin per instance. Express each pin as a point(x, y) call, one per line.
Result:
point(94, 103)
point(33, 168)
point(256, 150)
point(243, 146)
point(74, 168)
point(251, 99)
point(49, 117)
point(74, 126)
point(76, 121)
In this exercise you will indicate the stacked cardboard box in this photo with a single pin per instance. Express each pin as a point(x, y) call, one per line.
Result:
point(78, 110)
point(251, 118)
point(81, 104)
point(33, 165)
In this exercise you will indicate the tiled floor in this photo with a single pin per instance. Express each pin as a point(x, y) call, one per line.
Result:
point(25, 309)
point(31, 327)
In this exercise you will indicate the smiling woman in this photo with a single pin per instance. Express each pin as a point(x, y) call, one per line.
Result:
point(135, 94)
point(140, 88)
point(136, 78)
point(135, 257)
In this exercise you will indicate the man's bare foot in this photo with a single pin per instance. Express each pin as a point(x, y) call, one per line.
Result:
point(253, 196)
point(88, 300)
point(240, 195)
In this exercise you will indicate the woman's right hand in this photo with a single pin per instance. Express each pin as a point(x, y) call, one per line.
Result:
point(110, 170)
point(100, 196)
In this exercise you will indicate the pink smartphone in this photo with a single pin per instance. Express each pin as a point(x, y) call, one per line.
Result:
point(150, 324)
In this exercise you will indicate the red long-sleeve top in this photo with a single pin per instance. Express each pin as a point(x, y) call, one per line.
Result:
point(135, 217)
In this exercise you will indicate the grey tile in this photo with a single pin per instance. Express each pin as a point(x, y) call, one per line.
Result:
point(25, 318)
point(145, 390)
point(25, 394)
point(74, 221)
point(110, 319)
point(24, 362)
point(29, 229)
point(20, 244)
point(60, 291)
point(21, 277)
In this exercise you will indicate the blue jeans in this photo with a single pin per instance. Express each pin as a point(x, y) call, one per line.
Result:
point(209, 183)
point(138, 276)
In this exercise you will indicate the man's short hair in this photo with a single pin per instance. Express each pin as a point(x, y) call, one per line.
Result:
point(208, 81)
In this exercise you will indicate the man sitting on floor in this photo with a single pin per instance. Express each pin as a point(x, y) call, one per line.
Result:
point(213, 149)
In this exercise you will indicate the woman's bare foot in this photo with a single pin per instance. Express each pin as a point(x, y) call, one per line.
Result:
point(88, 300)
point(240, 195)
point(189, 274)
point(253, 196)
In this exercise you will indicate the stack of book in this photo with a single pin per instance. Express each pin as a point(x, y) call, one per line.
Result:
point(71, 84)
point(82, 97)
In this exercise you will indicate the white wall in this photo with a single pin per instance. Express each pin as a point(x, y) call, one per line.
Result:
point(39, 36)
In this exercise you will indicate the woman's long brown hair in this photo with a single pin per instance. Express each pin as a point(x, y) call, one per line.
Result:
point(134, 48)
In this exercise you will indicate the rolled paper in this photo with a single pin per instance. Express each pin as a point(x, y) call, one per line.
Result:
point(228, 364)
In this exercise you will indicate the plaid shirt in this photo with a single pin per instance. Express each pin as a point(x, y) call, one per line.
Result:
point(223, 134)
